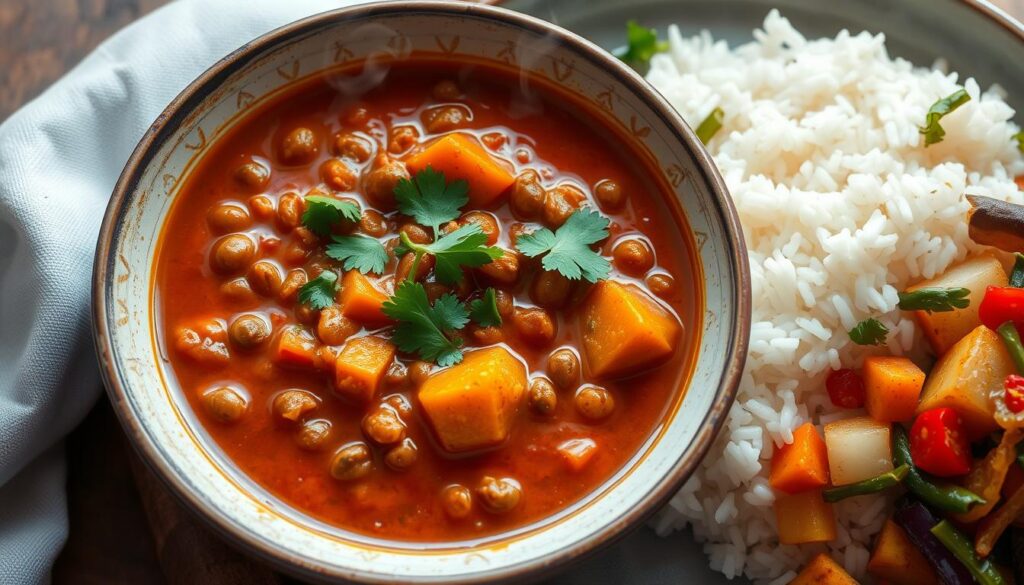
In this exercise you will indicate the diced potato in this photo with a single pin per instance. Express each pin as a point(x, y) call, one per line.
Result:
point(577, 453)
point(892, 385)
point(802, 465)
point(858, 449)
point(964, 378)
point(360, 367)
point(472, 405)
point(361, 301)
point(897, 560)
point(804, 517)
point(822, 570)
point(944, 329)
point(296, 347)
point(625, 330)
point(461, 157)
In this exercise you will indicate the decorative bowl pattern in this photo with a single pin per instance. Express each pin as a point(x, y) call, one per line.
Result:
point(159, 422)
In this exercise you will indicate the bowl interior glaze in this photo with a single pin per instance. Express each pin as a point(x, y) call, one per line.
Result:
point(174, 444)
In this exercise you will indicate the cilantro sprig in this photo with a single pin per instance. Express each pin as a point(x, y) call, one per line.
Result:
point(484, 311)
point(466, 246)
point(426, 329)
point(935, 299)
point(932, 130)
point(319, 292)
point(869, 332)
point(429, 200)
point(567, 249)
point(357, 252)
point(641, 44)
point(323, 212)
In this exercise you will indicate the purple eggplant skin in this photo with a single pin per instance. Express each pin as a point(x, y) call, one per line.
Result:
point(996, 223)
point(917, 521)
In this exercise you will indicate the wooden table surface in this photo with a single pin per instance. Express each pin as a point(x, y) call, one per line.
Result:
point(110, 539)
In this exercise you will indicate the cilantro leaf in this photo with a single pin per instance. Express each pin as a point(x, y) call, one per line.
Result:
point(642, 44)
point(361, 253)
point(323, 212)
point(425, 329)
point(869, 332)
point(466, 246)
point(710, 125)
point(935, 299)
point(429, 200)
point(568, 249)
point(319, 292)
point(484, 311)
point(932, 130)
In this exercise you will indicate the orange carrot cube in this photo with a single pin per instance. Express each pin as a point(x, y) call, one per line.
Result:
point(803, 464)
point(892, 386)
point(361, 301)
point(361, 366)
point(577, 453)
point(296, 347)
point(460, 157)
point(804, 517)
point(823, 570)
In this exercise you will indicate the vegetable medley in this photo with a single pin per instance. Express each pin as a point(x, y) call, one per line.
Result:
point(948, 441)
point(420, 313)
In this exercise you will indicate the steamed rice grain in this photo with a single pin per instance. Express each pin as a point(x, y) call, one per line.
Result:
point(842, 207)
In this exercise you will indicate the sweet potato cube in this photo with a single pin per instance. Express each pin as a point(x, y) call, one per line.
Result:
point(964, 378)
point(577, 453)
point(460, 157)
point(801, 465)
point(822, 570)
point(625, 330)
point(360, 367)
point(944, 329)
point(893, 386)
point(472, 405)
point(804, 517)
point(896, 559)
point(361, 301)
point(296, 347)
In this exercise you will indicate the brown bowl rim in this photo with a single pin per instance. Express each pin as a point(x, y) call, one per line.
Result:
point(180, 107)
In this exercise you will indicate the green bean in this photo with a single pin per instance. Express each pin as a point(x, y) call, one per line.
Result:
point(984, 572)
point(1017, 276)
point(949, 498)
point(1008, 331)
point(872, 485)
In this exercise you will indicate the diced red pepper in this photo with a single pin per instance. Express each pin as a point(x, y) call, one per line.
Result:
point(938, 444)
point(1014, 396)
point(846, 388)
point(1002, 304)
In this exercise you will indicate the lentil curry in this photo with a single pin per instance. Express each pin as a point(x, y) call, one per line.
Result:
point(441, 309)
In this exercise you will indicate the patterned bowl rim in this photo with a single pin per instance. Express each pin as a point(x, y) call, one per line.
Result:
point(177, 112)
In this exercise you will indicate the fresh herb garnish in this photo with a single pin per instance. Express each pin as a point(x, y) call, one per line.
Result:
point(869, 332)
point(426, 329)
point(642, 44)
point(710, 125)
point(319, 292)
point(323, 212)
point(567, 250)
point(484, 311)
point(465, 246)
point(932, 130)
point(935, 299)
point(429, 200)
point(1019, 137)
point(361, 253)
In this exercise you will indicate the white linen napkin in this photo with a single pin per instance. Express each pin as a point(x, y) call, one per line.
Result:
point(59, 158)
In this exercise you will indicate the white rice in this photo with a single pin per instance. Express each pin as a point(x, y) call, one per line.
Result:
point(842, 207)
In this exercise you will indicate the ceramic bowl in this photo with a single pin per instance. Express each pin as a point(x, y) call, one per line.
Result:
point(157, 418)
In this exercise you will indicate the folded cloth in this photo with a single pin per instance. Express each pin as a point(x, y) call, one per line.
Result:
point(59, 158)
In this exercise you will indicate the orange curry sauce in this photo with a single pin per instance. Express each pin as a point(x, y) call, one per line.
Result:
point(537, 129)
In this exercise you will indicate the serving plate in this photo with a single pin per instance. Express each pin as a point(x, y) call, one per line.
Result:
point(973, 37)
